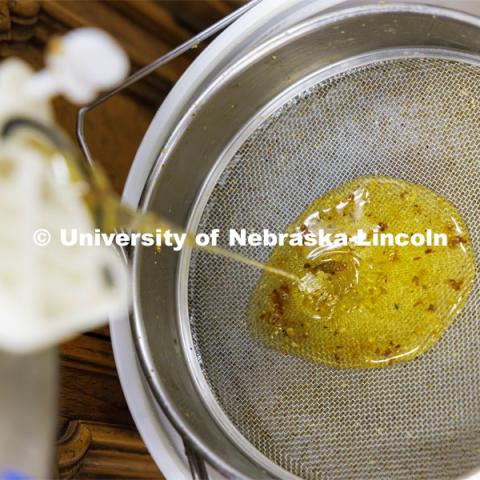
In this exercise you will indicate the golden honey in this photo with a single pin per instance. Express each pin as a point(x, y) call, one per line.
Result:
point(367, 306)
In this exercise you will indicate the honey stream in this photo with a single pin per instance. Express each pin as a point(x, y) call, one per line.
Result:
point(110, 214)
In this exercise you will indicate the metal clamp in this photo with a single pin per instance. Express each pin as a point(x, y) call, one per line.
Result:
point(196, 463)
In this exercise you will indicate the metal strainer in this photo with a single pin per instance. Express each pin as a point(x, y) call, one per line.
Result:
point(403, 118)
point(377, 90)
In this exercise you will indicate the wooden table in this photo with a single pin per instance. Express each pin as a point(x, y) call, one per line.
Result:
point(96, 434)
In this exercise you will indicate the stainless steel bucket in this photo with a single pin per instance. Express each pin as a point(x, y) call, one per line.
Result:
point(377, 89)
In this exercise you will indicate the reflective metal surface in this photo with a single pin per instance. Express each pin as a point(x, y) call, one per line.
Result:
point(199, 371)
point(28, 413)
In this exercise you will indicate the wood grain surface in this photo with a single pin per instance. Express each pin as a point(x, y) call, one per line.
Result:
point(96, 434)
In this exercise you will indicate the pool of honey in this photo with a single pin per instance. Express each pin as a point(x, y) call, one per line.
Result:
point(366, 306)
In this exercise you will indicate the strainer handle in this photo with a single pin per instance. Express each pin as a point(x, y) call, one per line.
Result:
point(195, 461)
point(148, 69)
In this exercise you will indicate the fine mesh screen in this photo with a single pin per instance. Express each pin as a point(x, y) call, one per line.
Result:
point(415, 119)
